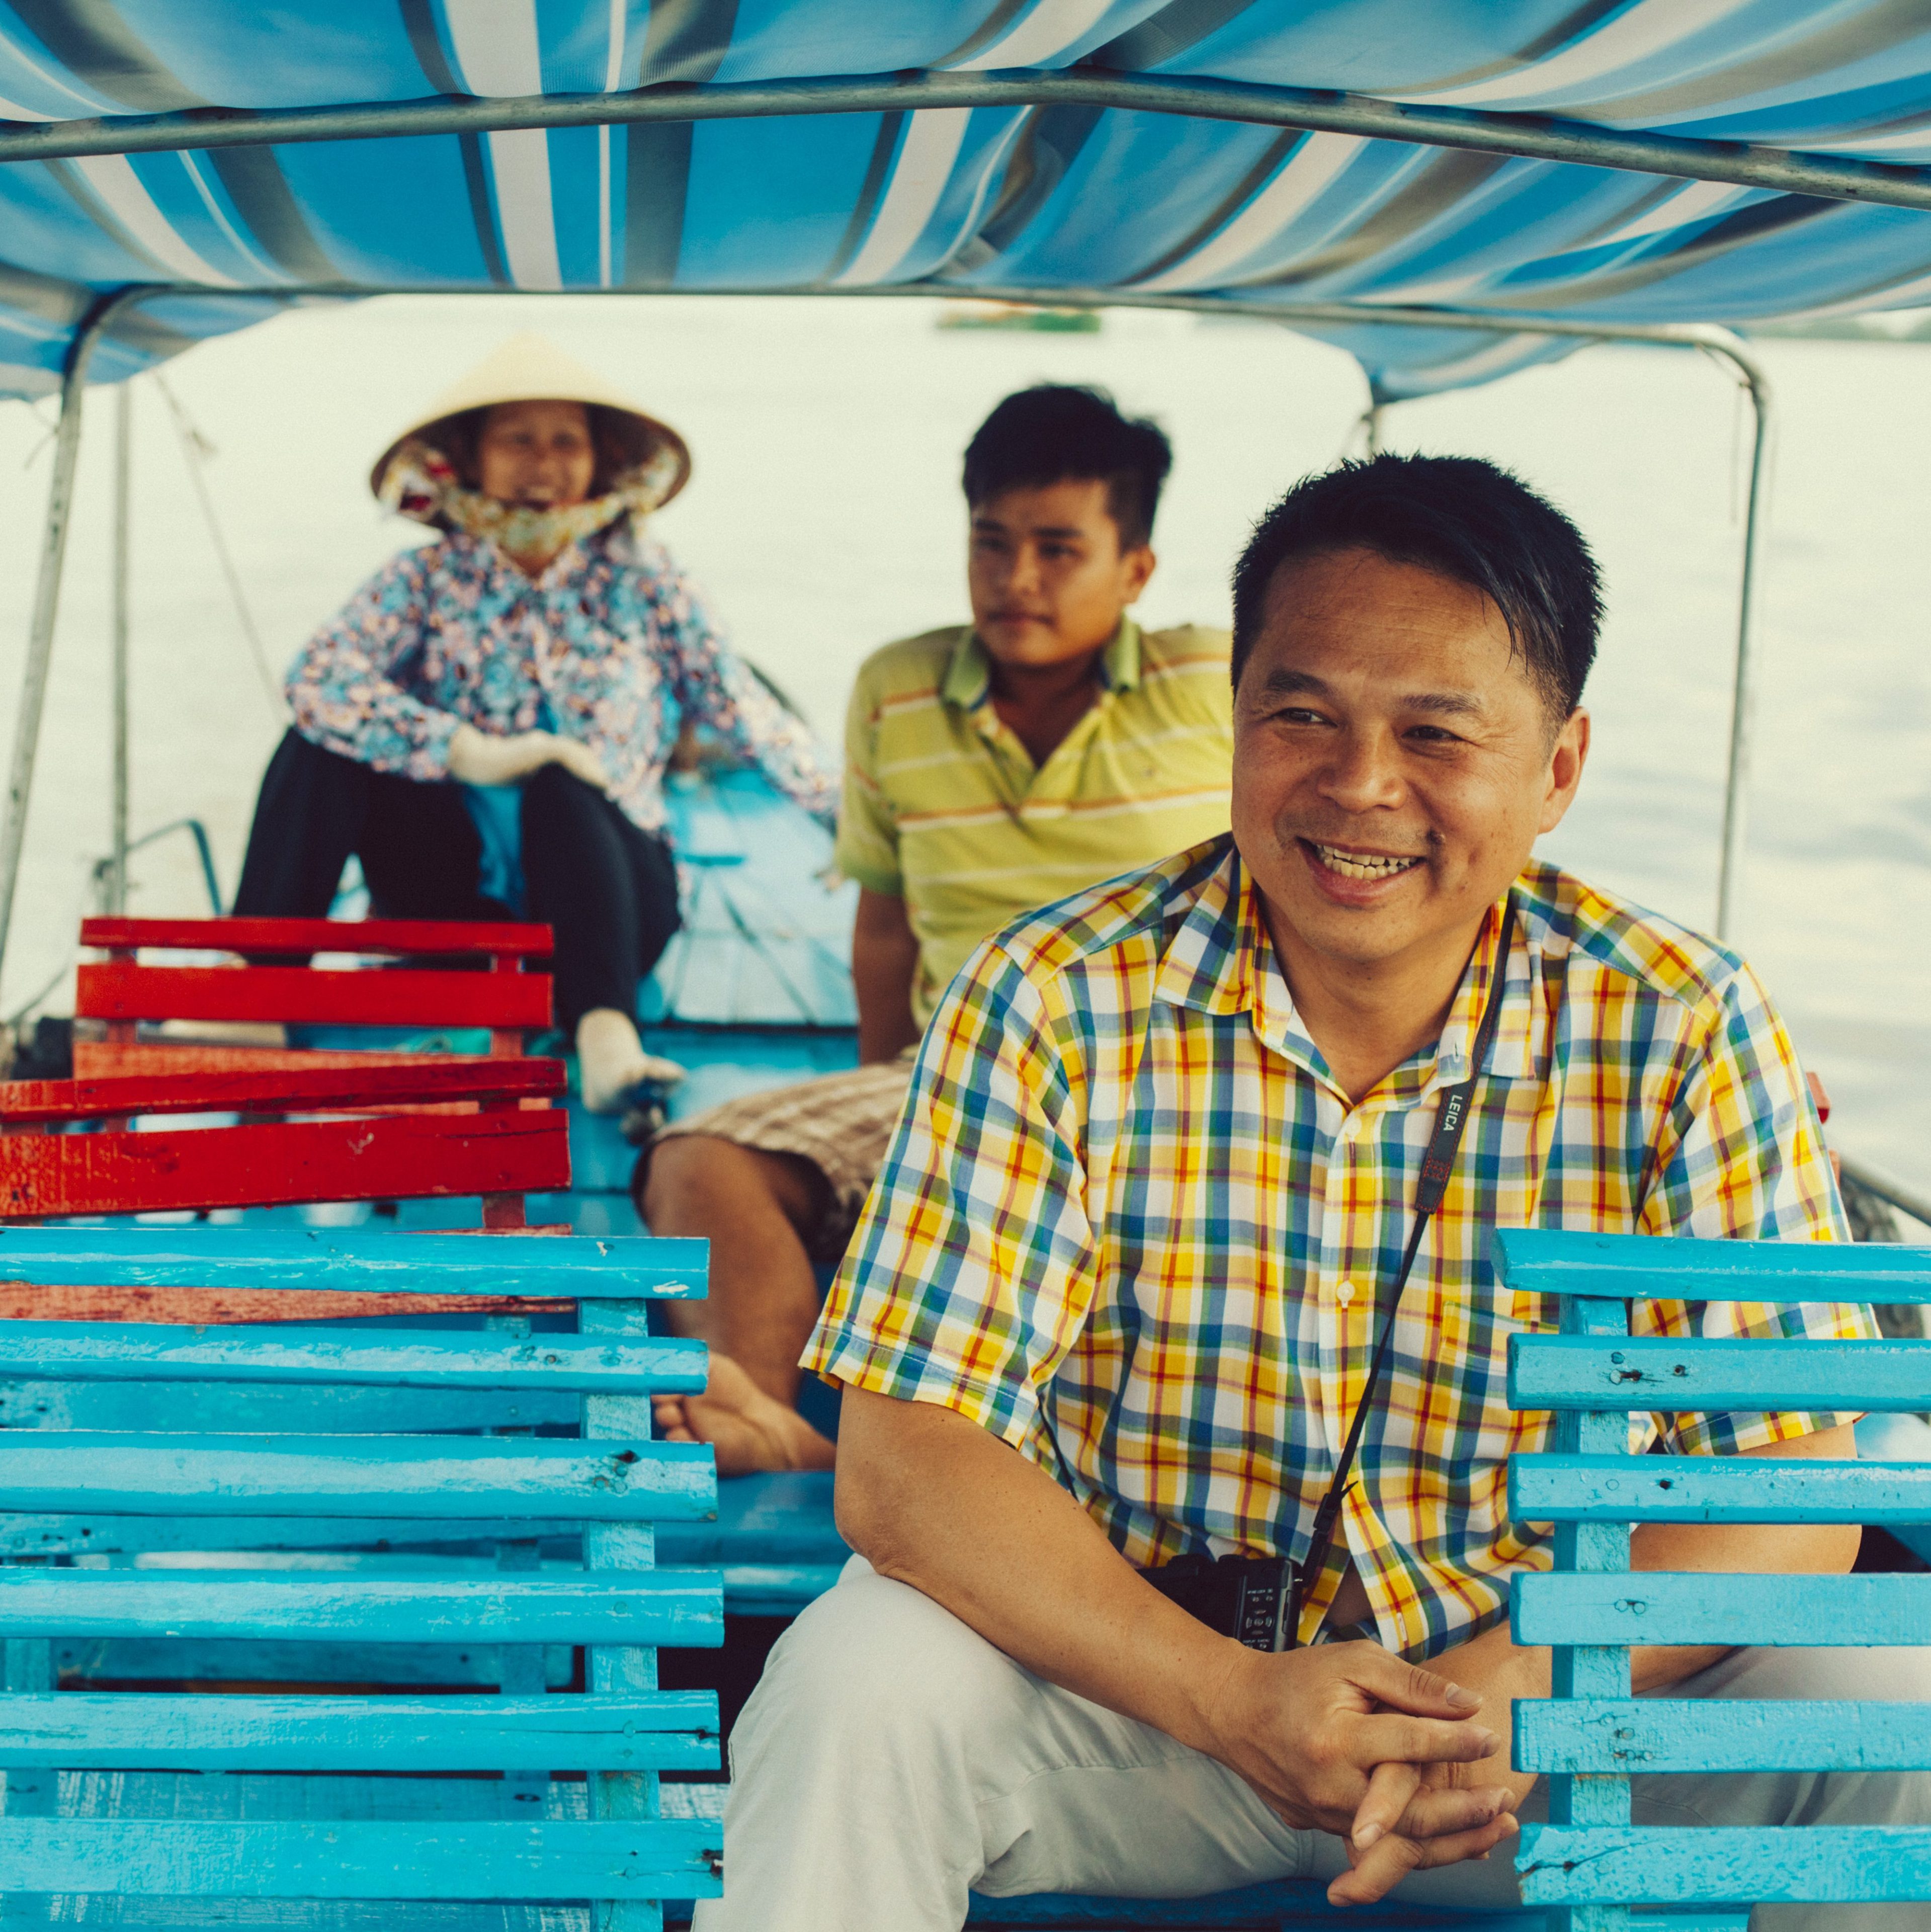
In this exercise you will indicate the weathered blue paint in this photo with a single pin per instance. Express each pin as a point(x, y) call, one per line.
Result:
point(775, 1589)
point(1591, 1548)
point(467, 1666)
point(1563, 1372)
point(665, 1729)
point(175, 1470)
point(646, 1607)
point(1644, 1267)
point(356, 1260)
point(1590, 1863)
point(1664, 1607)
point(454, 1477)
point(98, 1535)
point(334, 1859)
point(1715, 1489)
point(1823, 1863)
point(275, 1408)
point(400, 1358)
point(774, 1537)
point(1713, 1734)
point(615, 1547)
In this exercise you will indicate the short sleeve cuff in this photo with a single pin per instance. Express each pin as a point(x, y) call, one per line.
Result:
point(874, 878)
point(1000, 1409)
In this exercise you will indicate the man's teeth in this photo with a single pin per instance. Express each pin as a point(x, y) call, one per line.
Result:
point(1363, 864)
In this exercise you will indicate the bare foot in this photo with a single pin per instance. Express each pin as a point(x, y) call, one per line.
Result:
point(746, 1429)
point(612, 1064)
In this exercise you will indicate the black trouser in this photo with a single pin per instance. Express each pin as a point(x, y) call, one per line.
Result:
point(609, 890)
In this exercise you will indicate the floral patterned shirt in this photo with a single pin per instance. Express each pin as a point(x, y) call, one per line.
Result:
point(611, 645)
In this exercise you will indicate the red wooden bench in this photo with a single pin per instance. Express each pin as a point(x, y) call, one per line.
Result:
point(412, 1128)
point(270, 982)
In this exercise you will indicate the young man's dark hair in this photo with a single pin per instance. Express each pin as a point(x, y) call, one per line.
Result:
point(1461, 518)
point(1059, 433)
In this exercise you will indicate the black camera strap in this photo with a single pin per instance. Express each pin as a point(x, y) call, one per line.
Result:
point(1438, 1164)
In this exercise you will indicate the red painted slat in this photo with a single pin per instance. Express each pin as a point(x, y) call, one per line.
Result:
point(426, 1078)
point(407, 938)
point(115, 991)
point(392, 1156)
point(34, 1301)
point(112, 1059)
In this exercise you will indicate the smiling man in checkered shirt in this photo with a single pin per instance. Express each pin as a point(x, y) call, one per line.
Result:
point(1113, 1298)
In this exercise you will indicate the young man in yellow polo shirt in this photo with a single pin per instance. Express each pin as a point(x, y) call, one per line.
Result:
point(990, 767)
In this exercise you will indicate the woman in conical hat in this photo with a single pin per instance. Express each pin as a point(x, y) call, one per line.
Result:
point(486, 723)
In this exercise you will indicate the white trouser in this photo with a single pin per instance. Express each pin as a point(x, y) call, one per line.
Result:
point(892, 1760)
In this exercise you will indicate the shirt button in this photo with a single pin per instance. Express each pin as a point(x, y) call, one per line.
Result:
point(1345, 1293)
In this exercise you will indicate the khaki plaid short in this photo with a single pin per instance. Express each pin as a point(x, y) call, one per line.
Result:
point(841, 1122)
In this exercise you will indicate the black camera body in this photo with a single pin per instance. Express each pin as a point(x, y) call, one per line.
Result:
point(1255, 1599)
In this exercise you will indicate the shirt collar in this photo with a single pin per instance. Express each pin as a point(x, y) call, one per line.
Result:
point(1221, 962)
point(968, 679)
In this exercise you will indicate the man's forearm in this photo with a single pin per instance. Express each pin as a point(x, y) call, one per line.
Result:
point(885, 962)
point(1010, 1553)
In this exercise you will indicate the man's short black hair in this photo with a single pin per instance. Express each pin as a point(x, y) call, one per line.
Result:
point(1064, 433)
point(1460, 517)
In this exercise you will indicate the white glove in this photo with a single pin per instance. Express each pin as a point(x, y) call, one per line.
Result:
point(480, 758)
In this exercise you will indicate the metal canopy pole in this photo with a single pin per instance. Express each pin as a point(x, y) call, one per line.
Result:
point(124, 445)
point(1742, 695)
point(46, 595)
point(1536, 137)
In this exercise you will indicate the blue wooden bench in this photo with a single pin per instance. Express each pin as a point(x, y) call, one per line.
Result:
point(1590, 1861)
point(196, 1547)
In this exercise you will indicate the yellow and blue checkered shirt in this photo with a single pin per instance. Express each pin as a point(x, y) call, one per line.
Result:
point(1129, 1224)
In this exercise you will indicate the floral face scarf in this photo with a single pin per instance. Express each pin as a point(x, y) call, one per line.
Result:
point(421, 482)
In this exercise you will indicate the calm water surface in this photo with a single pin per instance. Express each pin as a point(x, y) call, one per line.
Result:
point(825, 519)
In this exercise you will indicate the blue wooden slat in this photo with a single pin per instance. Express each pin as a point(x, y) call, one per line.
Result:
point(666, 1729)
point(1663, 1607)
point(356, 1260)
point(1717, 1734)
point(405, 1358)
point(781, 1516)
point(615, 1670)
point(1824, 1863)
point(1715, 1489)
point(1572, 1371)
point(103, 1535)
point(775, 1589)
point(451, 1477)
point(1648, 1267)
point(273, 1409)
point(330, 1858)
point(1580, 1671)
point(114, 1661)
point(644, 1607)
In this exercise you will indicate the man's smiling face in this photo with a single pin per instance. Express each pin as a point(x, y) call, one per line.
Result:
point(1394, 759)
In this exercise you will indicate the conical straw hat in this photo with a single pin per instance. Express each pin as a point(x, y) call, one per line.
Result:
point(527, 369)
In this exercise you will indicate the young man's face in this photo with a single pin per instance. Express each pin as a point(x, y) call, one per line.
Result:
point(1048, 577)
point(1394, 763)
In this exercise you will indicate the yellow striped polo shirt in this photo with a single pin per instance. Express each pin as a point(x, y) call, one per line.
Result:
point(944, 808)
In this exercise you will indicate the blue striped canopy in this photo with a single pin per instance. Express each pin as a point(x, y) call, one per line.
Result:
point(1028, 200)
